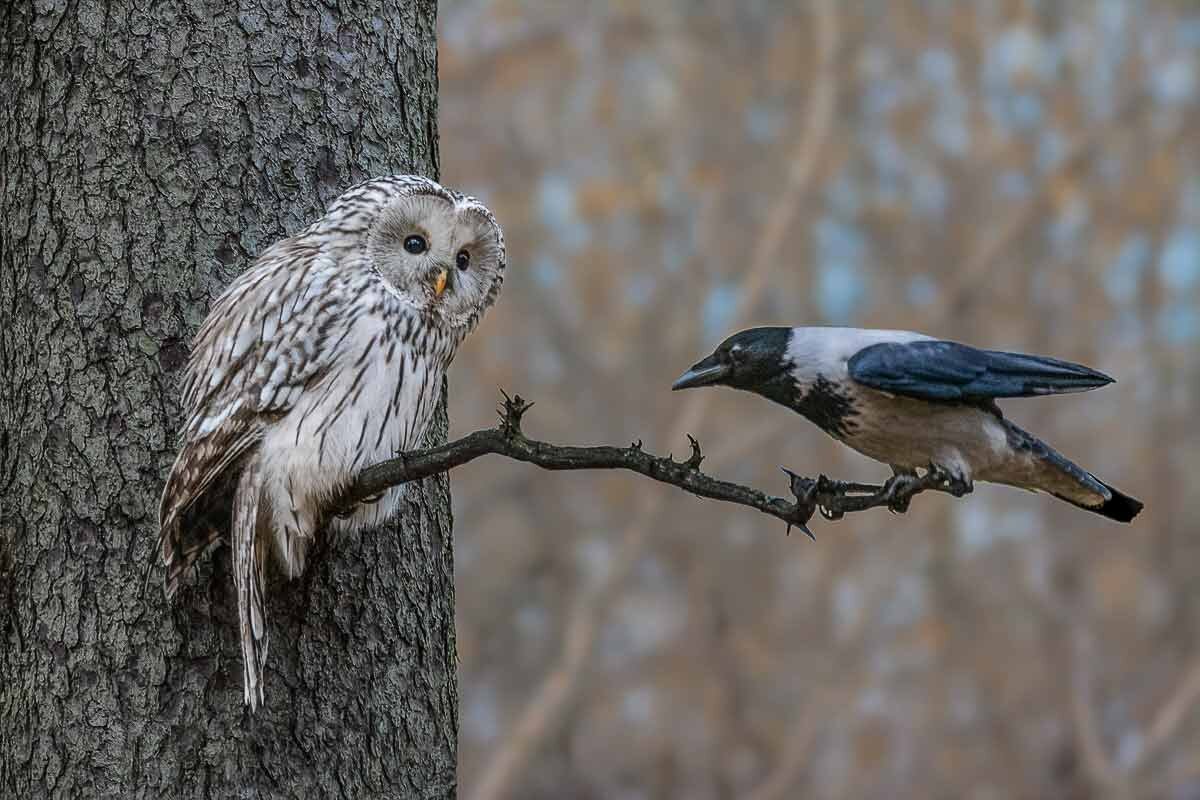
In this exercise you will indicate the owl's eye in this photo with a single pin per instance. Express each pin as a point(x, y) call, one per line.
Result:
point(415, 244)
point(463, 259)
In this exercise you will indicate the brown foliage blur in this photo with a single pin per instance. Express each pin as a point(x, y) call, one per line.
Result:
point(1017, 174)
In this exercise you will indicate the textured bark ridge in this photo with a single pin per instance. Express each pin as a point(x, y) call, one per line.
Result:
point(148, 152)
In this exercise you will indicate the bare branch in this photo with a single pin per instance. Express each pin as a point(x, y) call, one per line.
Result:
point(833, 498)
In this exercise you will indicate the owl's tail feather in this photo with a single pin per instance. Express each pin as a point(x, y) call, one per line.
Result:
point(248, 561)
point(193, 514)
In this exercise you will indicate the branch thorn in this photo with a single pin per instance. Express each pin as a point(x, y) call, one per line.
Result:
point(513, 410)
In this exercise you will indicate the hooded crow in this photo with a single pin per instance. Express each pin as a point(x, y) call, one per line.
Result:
point(915, 402)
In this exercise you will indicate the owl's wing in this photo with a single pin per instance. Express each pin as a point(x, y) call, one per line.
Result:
point(271, 334)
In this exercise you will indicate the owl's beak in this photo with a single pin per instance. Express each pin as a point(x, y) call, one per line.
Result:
point(439, 282)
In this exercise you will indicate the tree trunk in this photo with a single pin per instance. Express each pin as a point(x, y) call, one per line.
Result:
point(149, 151)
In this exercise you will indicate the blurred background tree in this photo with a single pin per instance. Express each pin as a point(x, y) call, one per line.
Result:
point(1018, 174)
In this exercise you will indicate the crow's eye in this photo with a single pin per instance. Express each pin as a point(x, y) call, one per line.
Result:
point(415, 244)
point(463, 259)
point(735, 353)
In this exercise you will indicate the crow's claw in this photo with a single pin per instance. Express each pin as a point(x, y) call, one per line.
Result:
point(954, 483)
point(898, 492)
point(827, 485)
point(831, 515)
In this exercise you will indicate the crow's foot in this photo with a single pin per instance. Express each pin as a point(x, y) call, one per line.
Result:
point(955, 483)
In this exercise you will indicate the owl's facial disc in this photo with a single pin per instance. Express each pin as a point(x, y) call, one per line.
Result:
point(446, 258)
point(410, 245)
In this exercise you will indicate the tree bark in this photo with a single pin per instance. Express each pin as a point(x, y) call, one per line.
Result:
point(149, 151)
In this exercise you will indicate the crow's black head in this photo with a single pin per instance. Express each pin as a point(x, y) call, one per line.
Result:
point(754, 360)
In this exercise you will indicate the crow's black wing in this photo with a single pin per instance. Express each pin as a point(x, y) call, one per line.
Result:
point(936, 370)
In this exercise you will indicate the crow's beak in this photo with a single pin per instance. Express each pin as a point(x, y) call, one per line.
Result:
point(703, 373)
point(439, 282)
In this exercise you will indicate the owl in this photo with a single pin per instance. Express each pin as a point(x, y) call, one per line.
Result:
point(325, 357)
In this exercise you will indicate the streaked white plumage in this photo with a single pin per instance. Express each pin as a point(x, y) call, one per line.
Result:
point(325, 357)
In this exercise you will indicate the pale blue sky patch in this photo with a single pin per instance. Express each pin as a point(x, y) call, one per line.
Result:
point(930, 196)
point(887, 154)
point(841, 285)
point(1179, 323)
point(1103, 51)
point(1187, 32)
point(1123, 276)
point(1016, 55)
point(847, 606)
point(841, 291)
point(481, 713)
point(639, 290)
point(982, 524)
point(908, 601)
point(1012, 184)
point(843, 195)
point(532, 621)
point(671, 193)
point(557, 211)
point(545, 363)
point(880, 97)
point(1125, 330)
point(1025, 110)
point(555, 200)
point(638, 705)
point(574, 236)
point(1179, 262)
point(1065, 228)
point(675, 250)
point(938, 67)
point(623, 230)
point(1018, 52)
point(762, 123)
point(1189, 200)
point(838, 239)
point(922, 290)
point(947, 127)
point(546, 271)
point(718, 310)
point(1174, 83)
point(1051, 148)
